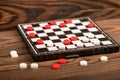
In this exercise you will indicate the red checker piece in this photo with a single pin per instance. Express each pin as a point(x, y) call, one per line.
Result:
point(62, 61)
point(67, 42)
point(73, 38)
point(47, 27)
point(68, 21)
point(62, 25)
point(29, 28)
point(56, 66)
point(90, 25)
point(53, 22)
point(39, 41)
point(31, 35)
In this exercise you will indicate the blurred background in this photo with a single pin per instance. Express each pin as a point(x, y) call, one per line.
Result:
point(13, 12)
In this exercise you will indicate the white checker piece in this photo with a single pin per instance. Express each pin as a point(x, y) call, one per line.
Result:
point(71, 46)
point(28, 32)
point(78, 43)
point(84, 39)
point(34, 65)
point(83, 63)
point(95, 41)
point(23, 65)
point(89, 35)
point(76, 21)
point(106, 42)
point(62, 47)
point(26, 25)
point(50, 44)
point(38, 28)
point(52, 48)
point(13, 54)
point(81, 38)
point(103, 58)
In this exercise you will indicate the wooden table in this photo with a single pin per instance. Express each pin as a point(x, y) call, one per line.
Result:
point(106, 13)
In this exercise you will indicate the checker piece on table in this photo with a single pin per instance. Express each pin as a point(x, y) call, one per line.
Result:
point(66, 38)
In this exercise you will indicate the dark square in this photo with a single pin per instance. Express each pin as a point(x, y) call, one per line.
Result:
point(43, 50)
point(35, 25)
point(58, 40)
point(51, 34)
point(56, 29)
point(97, 32)
point(41, 31)
point(103, 39)
point(73, 28)
point(84, 19)
point(34, 43)
point(84, 30)
point(44, 38)
point(79, 34)
point(62, 36)
point(68, 32)
point(78, 24)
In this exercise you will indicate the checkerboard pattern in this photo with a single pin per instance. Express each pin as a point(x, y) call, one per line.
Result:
point(68, 34)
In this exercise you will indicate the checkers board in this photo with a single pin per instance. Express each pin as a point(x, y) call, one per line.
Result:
point(66, 38)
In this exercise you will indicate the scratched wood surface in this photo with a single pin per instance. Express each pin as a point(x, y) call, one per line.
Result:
point(106, 13)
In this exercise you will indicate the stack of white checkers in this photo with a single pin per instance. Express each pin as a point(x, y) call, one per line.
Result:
point(68, 37)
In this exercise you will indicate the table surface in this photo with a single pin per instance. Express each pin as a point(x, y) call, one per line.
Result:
point(105, 13)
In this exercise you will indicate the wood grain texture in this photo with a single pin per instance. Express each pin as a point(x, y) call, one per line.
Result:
point(14, 12)
point(105, 12)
